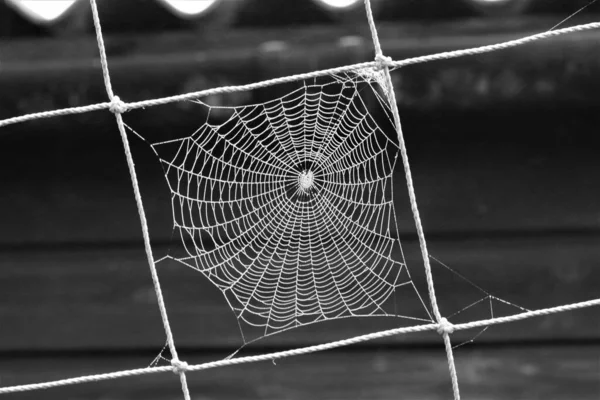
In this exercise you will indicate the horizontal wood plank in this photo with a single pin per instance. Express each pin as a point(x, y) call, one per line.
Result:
point(571, 373)
point(104, 299)
point(473, 173)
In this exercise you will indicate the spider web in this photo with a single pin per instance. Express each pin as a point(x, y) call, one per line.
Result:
point(188, 171)
point(287, 206)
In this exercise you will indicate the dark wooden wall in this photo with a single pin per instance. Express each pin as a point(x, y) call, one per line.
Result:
point(504, 149)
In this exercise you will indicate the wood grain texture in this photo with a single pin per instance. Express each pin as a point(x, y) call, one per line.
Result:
point(570, 373)
point(103, 298)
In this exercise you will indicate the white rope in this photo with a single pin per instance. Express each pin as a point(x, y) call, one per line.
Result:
point(303, 350)
point(384, 63)
point(381, 62)
point(373, 30)
point(54, 113)
point(451, 365)
point(308, 75)
point(495, 47)
point(117, 107)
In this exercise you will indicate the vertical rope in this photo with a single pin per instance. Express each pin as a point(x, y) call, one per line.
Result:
point(451, 365)
point(409, 181)
point(373, 28)
point(445, 327)
point(118, 107)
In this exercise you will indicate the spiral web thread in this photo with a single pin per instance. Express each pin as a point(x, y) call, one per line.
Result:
point(287, 207)
point(306, 184)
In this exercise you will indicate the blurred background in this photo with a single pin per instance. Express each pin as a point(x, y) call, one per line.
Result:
point(504, 149)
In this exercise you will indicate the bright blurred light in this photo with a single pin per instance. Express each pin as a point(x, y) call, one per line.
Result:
point(190, 7)
point(43, 10)
point(339, 3)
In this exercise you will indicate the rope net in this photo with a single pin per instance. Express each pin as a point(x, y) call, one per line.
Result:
point(287, 207)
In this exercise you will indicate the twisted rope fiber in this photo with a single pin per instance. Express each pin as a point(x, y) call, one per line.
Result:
point(445, 328)
point(117, 107)
point(304, 350)
point(55, 113)
point(292, 78)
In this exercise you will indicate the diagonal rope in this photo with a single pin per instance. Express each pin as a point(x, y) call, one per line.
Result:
point(118, 107)
point(445, 327)
point(303, 350)
point(309, 75)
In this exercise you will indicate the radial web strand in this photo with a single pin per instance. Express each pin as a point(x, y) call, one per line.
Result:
point(287, 206)
point(487, 301)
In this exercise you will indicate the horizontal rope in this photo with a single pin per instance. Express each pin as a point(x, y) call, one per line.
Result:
point(308, 75)
point(444, 327)
point(303, 350)
point(495, 47)
point(55, 113)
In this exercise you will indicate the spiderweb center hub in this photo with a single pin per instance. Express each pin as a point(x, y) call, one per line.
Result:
point(306, 181)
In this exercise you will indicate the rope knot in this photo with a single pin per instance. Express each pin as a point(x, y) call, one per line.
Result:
point(383, 61)
point(179, 366)
point(445, 327)
point(117, 106)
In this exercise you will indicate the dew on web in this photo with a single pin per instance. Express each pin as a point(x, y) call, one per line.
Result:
point(293, 229)
point(160, 359)
point(287, 207)
point(488, 300)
